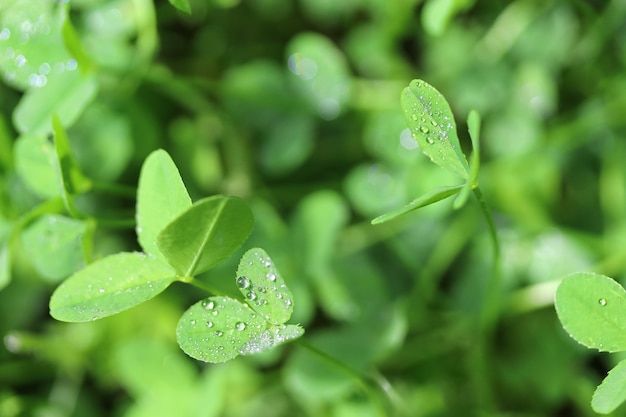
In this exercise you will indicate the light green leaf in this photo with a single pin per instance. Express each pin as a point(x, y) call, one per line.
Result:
point(161, 197)
point(263, 287)
point(33, 53)
point(437, 14)
point(34, 162)
point(430, 197)
point(215, 329)
point(66, 95)
point(271, 337)
point(473, 124)
point(5, 264)
point(69, 174)
point(54, 246)
point(74, 45)
point(612, 391)
point(430, 119)
point(205, 234)
point(109, 286)
point(592, 309)
point(182, 5)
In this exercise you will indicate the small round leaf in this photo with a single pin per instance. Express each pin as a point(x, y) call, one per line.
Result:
point(592, 309)
point(215, 329)
point(263, 287)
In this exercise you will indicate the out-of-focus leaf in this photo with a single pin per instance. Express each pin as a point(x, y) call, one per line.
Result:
point(34, 162)
point(53, 244)
point(182, 5)
point(611, 393)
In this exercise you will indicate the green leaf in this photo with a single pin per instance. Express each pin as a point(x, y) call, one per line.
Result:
point(54, 245)
point(161, 197)
point(205, 234)
point(109, 286)
point(66, 95)
point(215, 329)
point(437, 14)
point(592, 309)
point(74, 45)
point(68, 172)
point(263, 287)
point(430, 197)
point(270, 338)
point(182, 5)
point(5, 264)
point(612, 391)
point(430, 119)
point(473, 123)
point(34, 162)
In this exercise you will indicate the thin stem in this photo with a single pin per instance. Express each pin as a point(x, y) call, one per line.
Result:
point(202, 285)
point(492, 303)
point(363, 381)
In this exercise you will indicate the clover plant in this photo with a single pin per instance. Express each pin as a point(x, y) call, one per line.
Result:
point(592, 309)
point(181, 239)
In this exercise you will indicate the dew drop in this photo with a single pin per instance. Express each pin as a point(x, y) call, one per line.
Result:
point(193, 322)
point(210, 305)
point(414, 117)
point(209, 324)
point(243, 282)
point(602, 301)
point(430, 140)
point(101, 290)
point(214, 312)
point(251, 295)
point(271, 277)
point(288, 302)
point(432, 122)
point(262, 289)
point(240, 326)
point(424, 130)
point(219, 333)
point(267, 263)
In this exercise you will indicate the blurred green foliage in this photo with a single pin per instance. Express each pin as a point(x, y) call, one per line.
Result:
point(294, 106)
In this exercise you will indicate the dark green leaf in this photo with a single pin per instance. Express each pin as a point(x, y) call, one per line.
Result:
point(205, 234)
point(182, 5)
point(109, 286)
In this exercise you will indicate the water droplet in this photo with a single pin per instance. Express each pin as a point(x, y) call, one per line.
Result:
point(288, 302)
point(209, 306)
point(193, 322)
point(240, 326)
point(214, 312)
point(414, 117)
point(101, 290)
point(5, 34)
point(424, 130)
point(209, 324)
point(432, 122)
point(267, 263)
point(243, 282)
point(219, 333)
point(20, 60)
point(251, 295)
point(262, 289)
point(271, 277)
point(602, 301)
point(430, 140)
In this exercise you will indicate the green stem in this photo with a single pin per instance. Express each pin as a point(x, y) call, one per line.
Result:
point(492, 303)
point(202, 285)
point(363, 381)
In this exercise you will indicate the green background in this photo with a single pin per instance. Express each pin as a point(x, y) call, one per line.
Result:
point(294, 106)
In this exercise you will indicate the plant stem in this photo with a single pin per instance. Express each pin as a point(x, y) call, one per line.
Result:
point(363, 381)
point(202, 285)
point(492, 303)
